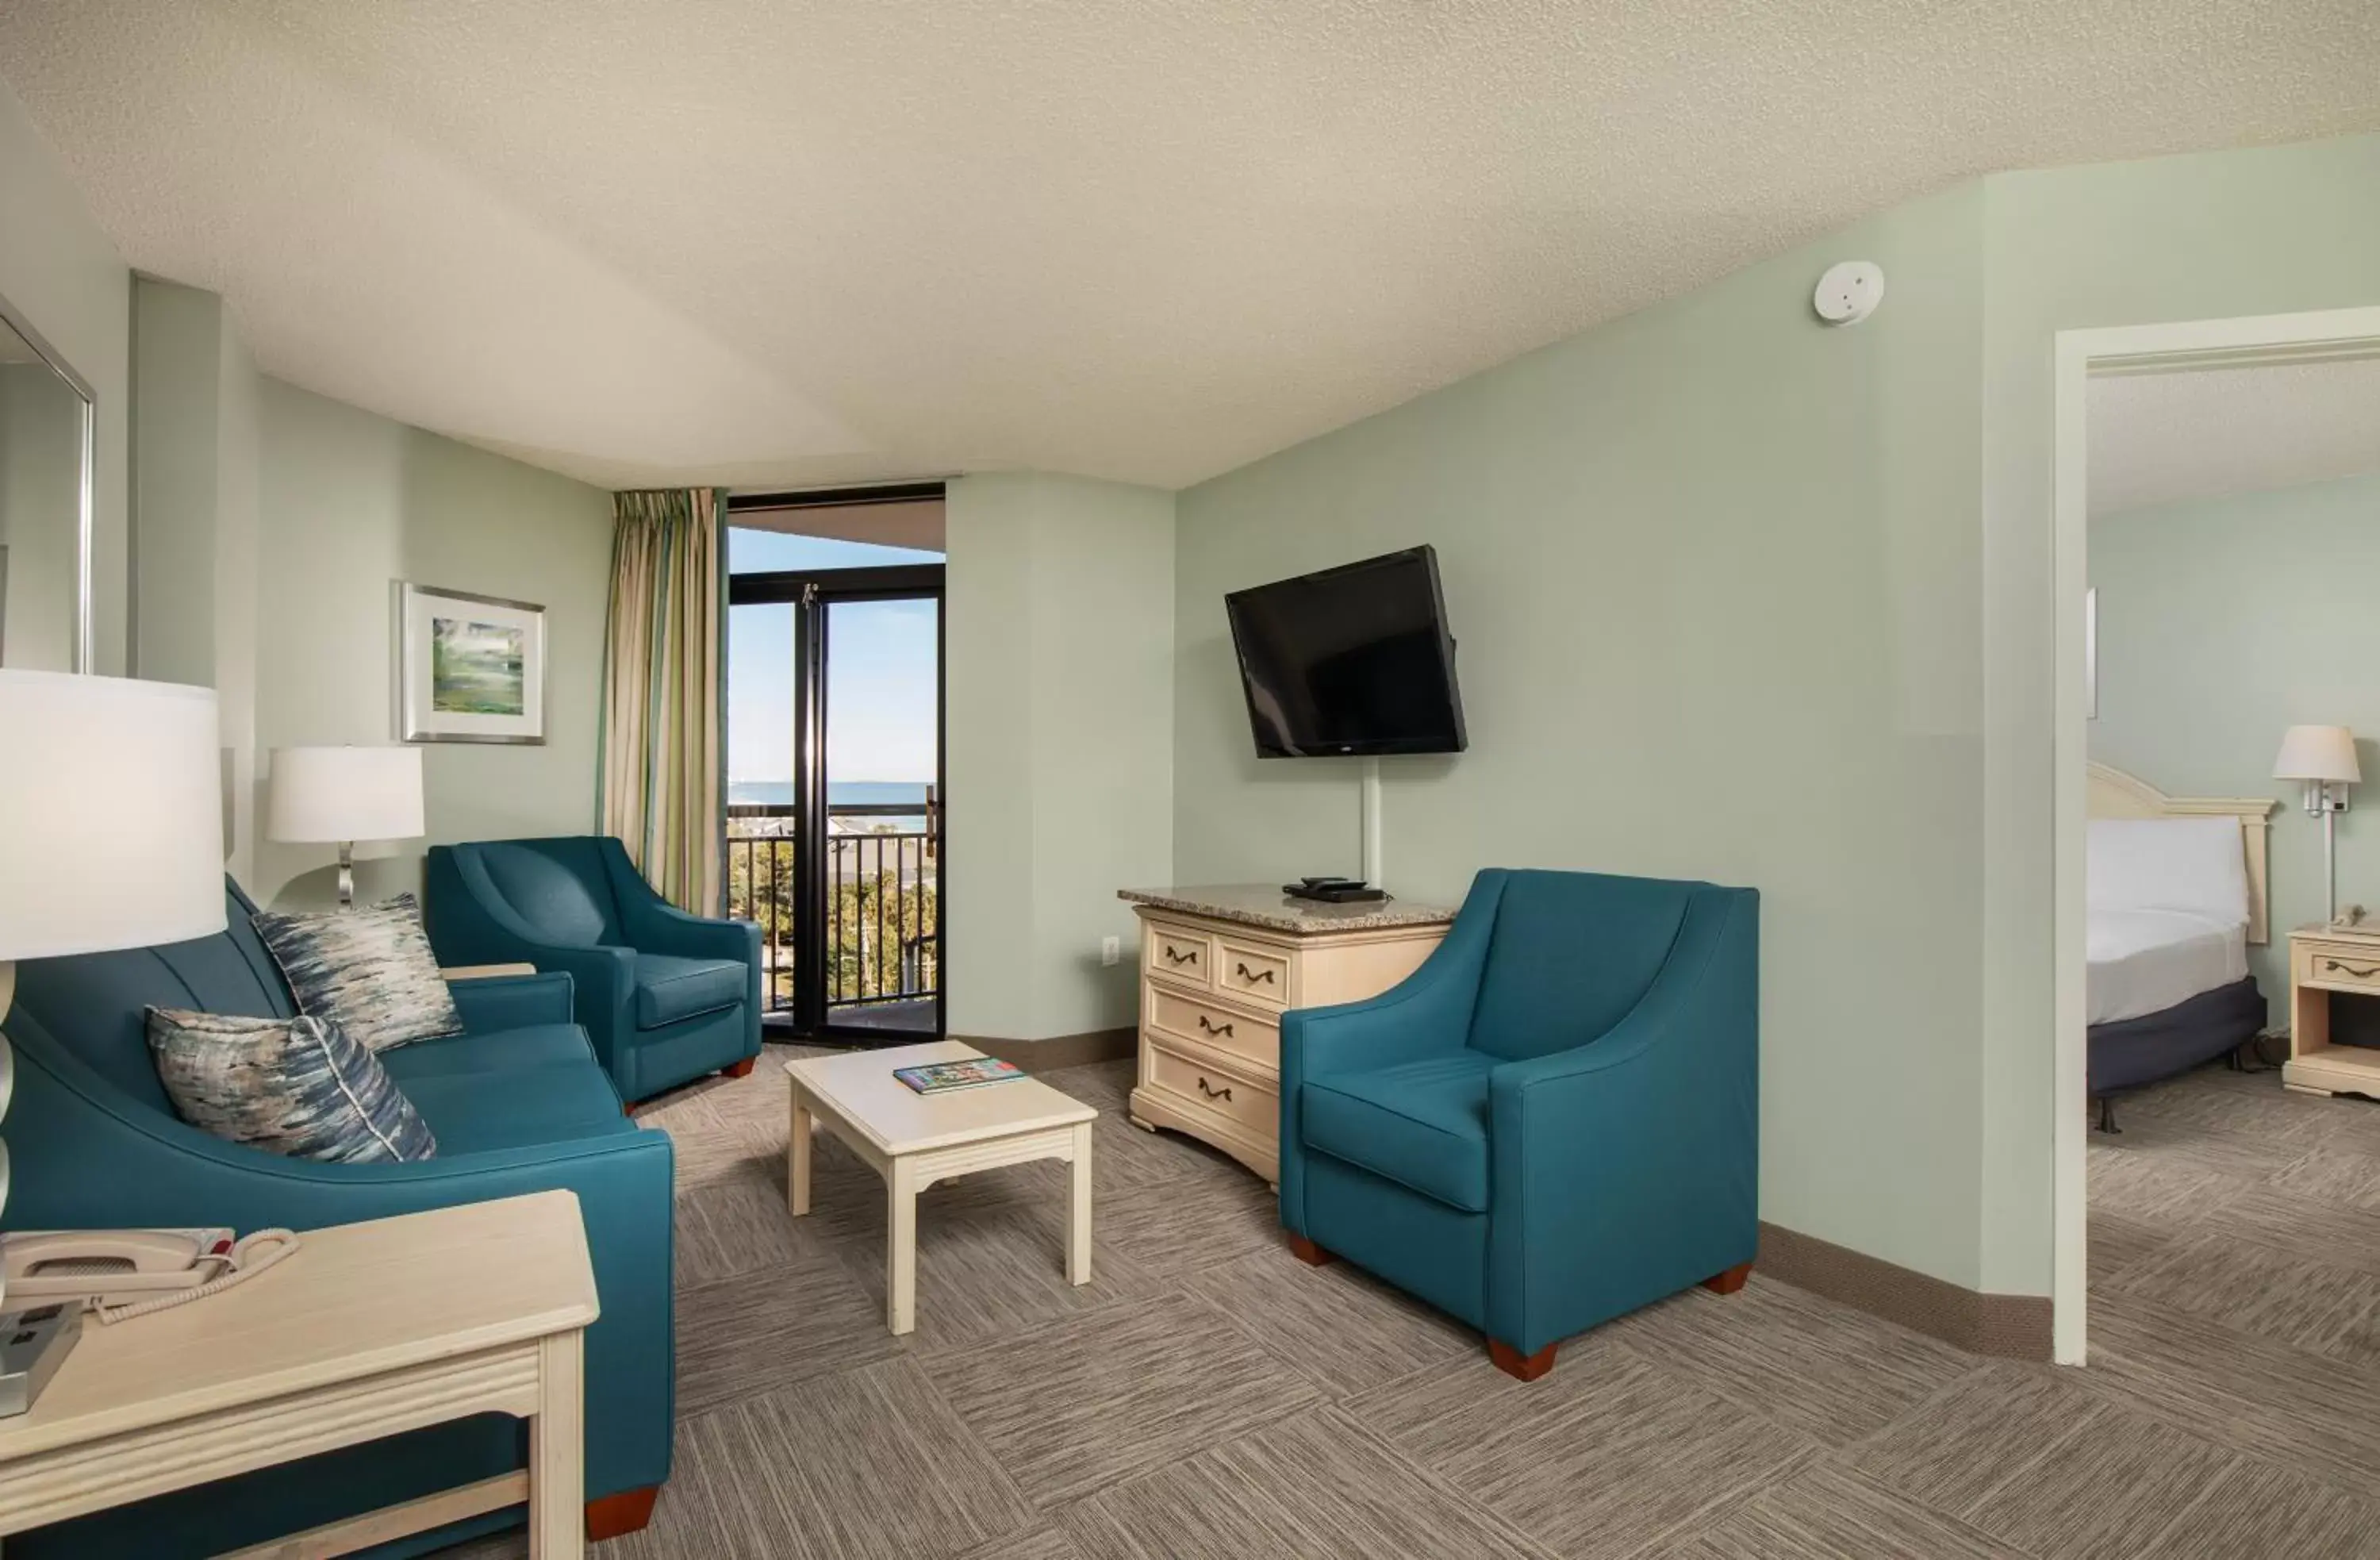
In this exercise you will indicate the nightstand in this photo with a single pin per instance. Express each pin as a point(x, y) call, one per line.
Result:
point(2324, 959)
point(367, 1330)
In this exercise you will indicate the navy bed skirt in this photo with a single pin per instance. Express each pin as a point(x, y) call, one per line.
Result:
point(2131, 1052)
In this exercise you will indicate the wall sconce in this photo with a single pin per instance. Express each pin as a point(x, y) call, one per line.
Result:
point(2323, 756)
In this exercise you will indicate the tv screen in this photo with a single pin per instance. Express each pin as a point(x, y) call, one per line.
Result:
point(1351, 660)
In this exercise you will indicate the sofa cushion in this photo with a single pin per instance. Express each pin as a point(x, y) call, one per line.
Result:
point(515, 1089)
point(368, 968)
point(298, 1087)
point(563, 900)
point(1570, 955)
point(669, 989)
point(1421, 1124)
point(499, 1051)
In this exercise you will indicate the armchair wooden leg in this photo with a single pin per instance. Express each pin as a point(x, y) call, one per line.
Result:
point(740, 1069)
point(1306, 1251)
point(1521, 1367)
point(1728, 1282)
point(626, 1512)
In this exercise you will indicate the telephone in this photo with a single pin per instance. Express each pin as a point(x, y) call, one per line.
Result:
point(126, 1272)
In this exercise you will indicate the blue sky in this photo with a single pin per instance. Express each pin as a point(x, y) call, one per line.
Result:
point(879, 669)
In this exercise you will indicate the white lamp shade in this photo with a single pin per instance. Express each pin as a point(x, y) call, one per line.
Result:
point(111, 814)
point(328, 795)
point(2318, 752)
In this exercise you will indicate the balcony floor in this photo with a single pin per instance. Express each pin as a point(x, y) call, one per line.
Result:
point(897, 1021)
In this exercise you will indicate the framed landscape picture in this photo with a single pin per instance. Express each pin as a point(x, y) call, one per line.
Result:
point(469, 668)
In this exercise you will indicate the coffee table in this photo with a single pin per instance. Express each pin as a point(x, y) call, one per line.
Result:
point(914, 1139)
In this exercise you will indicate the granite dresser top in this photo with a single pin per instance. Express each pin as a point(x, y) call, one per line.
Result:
point(1257, 904)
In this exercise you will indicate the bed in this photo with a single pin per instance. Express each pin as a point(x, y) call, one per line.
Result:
point(2177, 894)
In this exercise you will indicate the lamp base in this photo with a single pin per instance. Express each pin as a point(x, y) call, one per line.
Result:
point(32, 1345)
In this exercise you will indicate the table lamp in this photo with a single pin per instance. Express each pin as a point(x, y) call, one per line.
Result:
point(2323, 756)
point(111, 837)
point(323, 796)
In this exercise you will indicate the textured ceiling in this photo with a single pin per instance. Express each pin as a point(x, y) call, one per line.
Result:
point(654, 240)
point(2155, 438)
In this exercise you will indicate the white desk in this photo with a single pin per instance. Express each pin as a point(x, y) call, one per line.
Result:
point(367, 1330)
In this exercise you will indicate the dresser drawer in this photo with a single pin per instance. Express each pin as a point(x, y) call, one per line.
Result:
point(1249, 971)
point(1172, 1013)
point(1179, 955)
point(1247, 1105)
point(2338, 964)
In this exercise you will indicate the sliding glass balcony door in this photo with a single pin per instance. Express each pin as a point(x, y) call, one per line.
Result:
point(835, 831)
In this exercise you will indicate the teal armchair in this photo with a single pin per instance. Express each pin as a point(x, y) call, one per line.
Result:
point(665, 996)
point(1552, 1122)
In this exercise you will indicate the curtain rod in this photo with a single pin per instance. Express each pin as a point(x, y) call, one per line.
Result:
point(839, 498)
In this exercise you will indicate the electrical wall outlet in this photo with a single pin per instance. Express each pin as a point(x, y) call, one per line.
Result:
point(1111, 950)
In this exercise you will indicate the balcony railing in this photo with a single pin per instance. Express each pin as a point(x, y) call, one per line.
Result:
point(882, 904)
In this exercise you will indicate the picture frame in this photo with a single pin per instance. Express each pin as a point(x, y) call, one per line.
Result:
point(470, 668)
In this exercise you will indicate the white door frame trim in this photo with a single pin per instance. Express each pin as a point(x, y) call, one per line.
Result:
point(2172, 347)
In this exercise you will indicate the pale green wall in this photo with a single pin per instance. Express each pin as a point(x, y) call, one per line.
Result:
point(41, 481)
point(194, 466)
point(1713, 572)
point(350, 502)
point(59, 272)
point(2206, 237)
point(2224, 621)
point(240, 541)
point(1059, 598)
point(178, 345)
point(989, 713)
point(272, 526)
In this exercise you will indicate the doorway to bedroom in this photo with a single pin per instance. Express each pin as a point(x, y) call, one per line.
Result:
point(2222, 543)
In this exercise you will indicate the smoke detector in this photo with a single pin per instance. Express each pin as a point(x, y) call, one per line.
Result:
point(1849, 291)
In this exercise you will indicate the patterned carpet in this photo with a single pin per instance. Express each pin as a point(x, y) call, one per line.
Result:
point(1206, 1397)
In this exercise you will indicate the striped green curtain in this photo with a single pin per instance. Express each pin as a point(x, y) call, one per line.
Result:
point(659, 787)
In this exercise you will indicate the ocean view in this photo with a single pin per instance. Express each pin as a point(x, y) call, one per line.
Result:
point(840, 793)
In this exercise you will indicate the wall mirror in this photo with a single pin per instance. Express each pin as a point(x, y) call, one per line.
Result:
point(45, 502)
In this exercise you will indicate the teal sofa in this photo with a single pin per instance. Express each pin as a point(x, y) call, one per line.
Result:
point(1553, 1121)
point(666, 997)
point(518, 1104)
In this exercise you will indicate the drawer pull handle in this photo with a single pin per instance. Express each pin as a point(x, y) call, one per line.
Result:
point(2363, 974)
point(1212, 1092)
point(1207, 1028)
point(1253, 976)
point(1190, 957)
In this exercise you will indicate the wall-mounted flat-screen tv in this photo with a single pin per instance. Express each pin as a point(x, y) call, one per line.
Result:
point(1353, 659)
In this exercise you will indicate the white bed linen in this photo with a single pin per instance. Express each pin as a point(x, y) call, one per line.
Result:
point(2144, 961)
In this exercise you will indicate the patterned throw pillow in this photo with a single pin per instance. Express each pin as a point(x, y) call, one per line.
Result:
point(298, 1087)
point(370, 968)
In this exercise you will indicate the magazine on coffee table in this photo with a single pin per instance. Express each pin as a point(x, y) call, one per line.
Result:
point(940, 1077)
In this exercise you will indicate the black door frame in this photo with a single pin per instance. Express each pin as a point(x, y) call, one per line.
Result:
point(810, 593)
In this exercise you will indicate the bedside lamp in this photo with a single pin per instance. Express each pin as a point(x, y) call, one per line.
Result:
point(2323, 756)
point(325, 795)
point(111, 837)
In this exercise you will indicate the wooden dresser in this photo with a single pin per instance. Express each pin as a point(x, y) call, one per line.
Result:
point(1218, 968)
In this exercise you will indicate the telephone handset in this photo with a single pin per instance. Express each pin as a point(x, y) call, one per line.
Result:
point(127, 1273)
